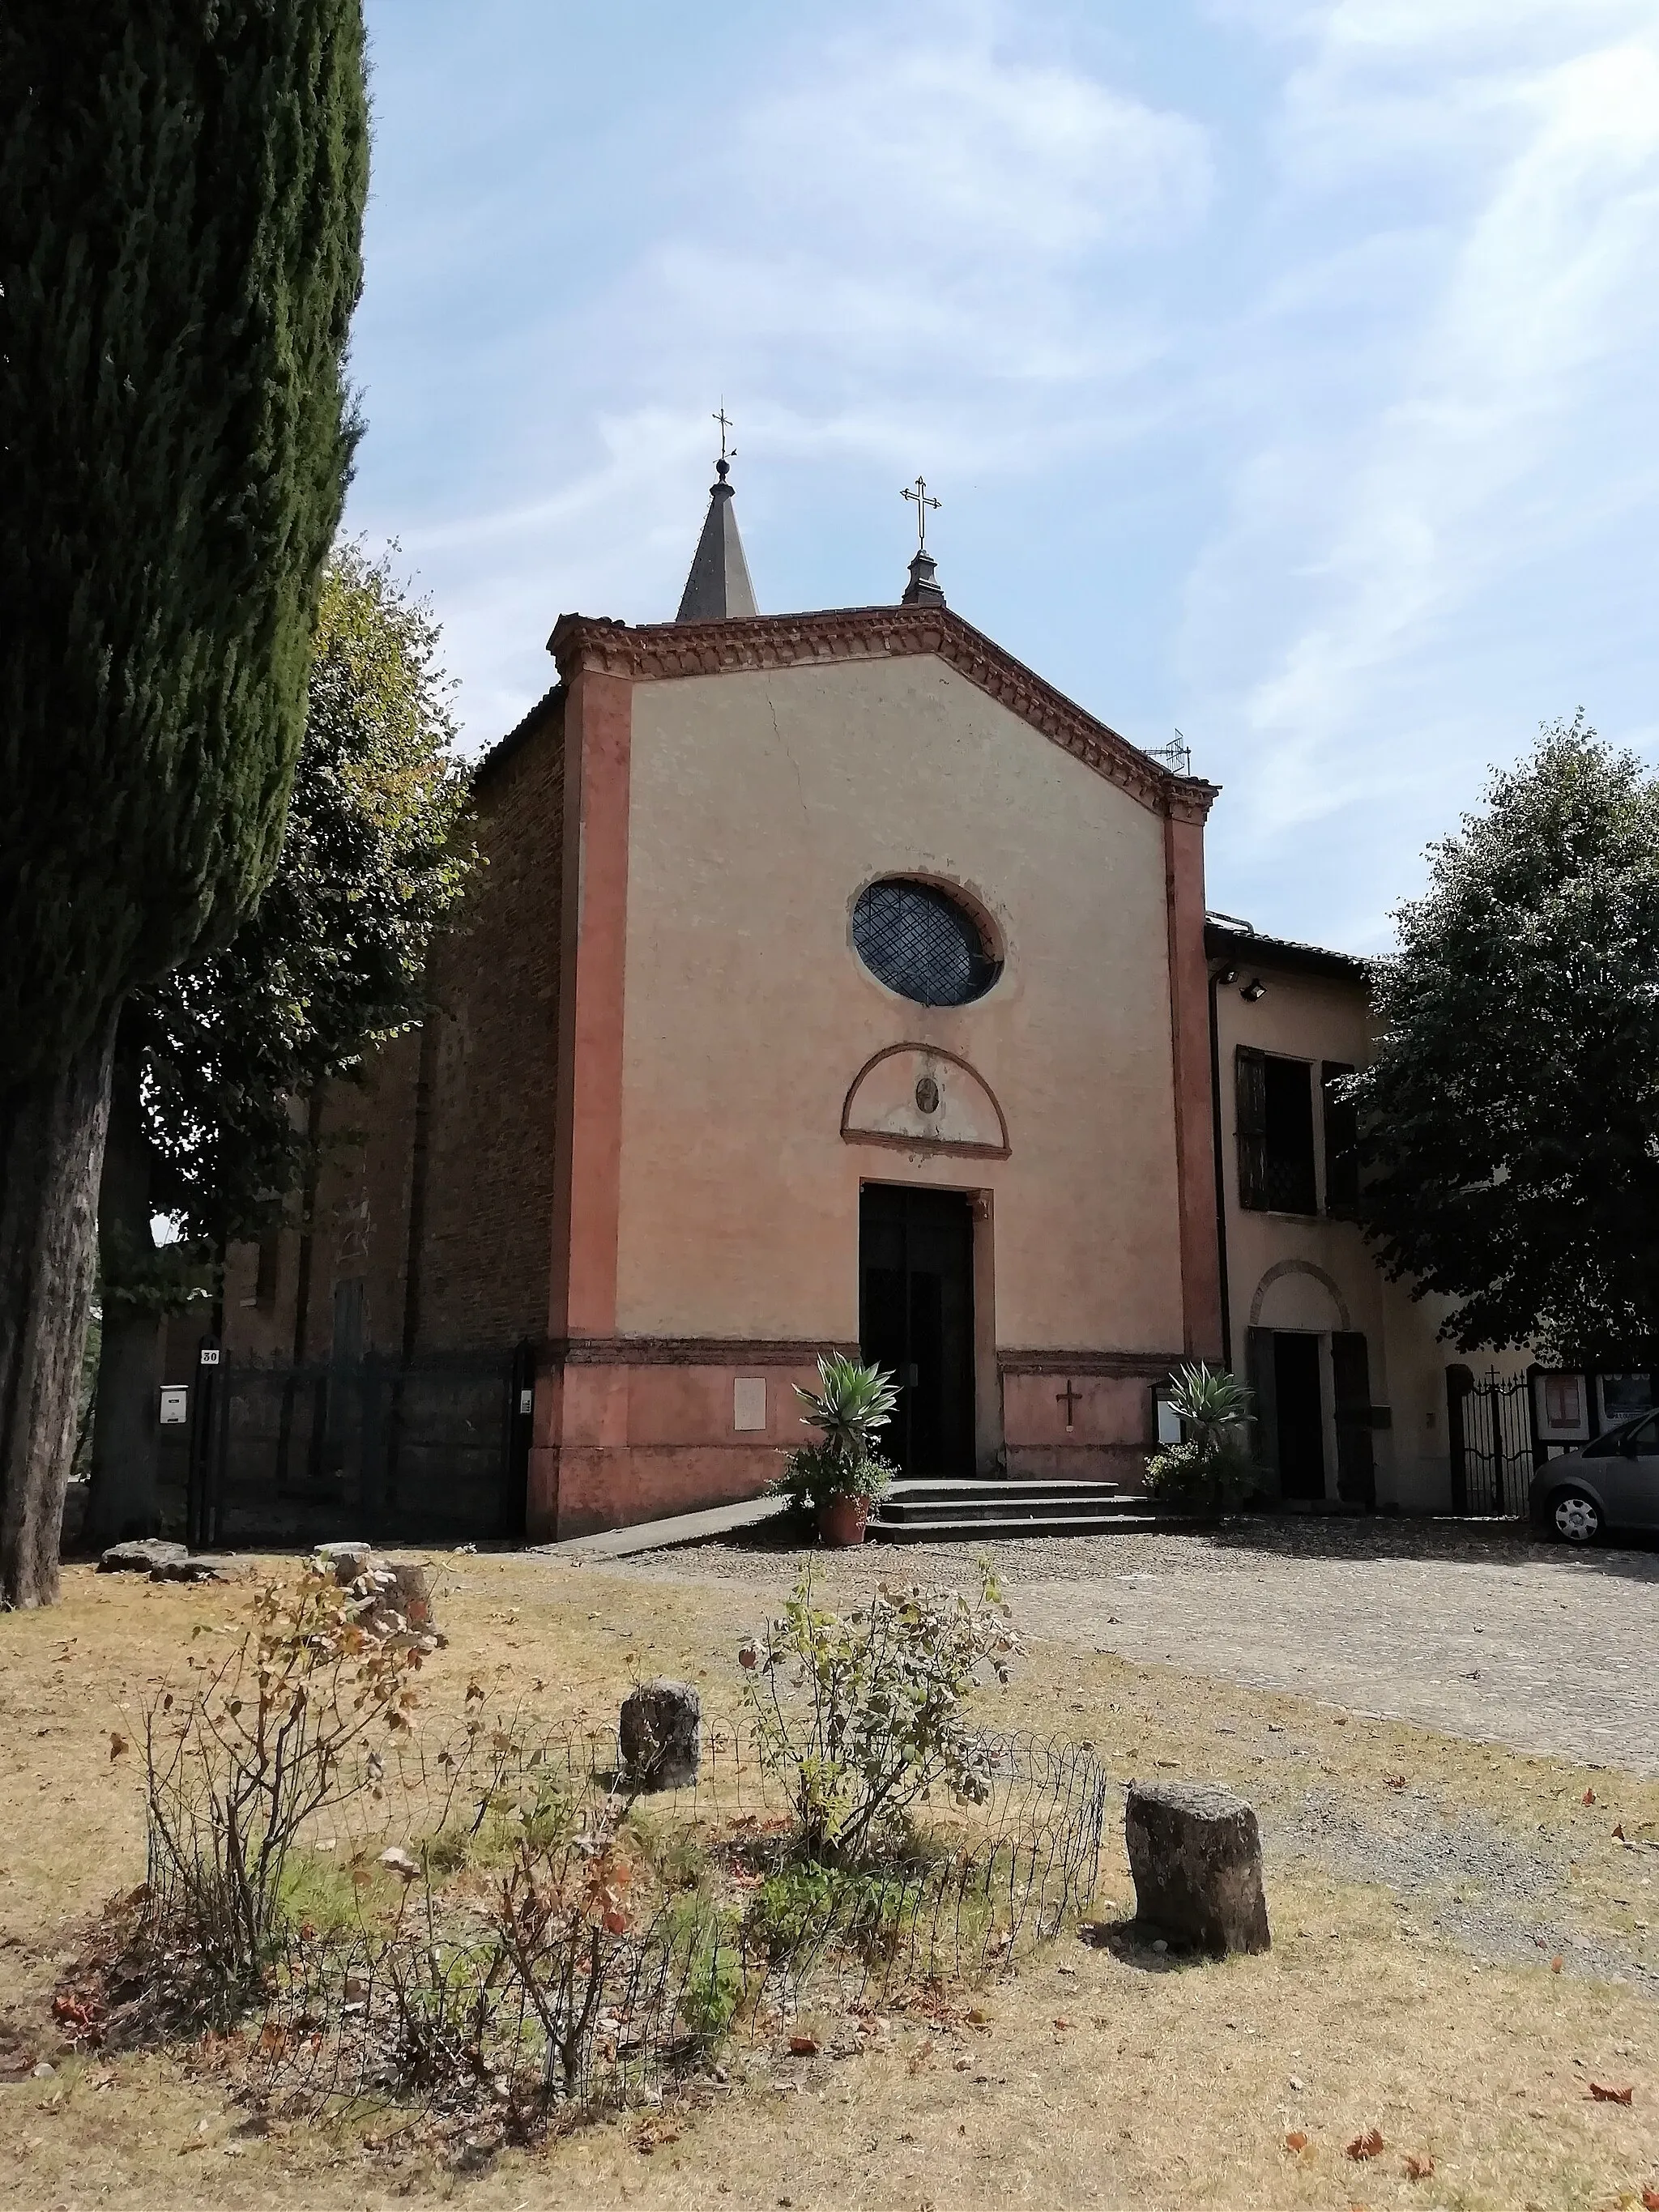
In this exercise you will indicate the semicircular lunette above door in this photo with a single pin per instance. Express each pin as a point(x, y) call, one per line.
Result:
point(917, 1099)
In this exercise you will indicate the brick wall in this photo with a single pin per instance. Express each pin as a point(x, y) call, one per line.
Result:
point(484, 1258)
point(444, 1152)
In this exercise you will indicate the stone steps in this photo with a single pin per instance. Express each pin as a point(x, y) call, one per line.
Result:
point(939, 1510)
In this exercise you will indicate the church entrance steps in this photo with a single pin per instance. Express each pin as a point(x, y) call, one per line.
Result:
point(919, 1512)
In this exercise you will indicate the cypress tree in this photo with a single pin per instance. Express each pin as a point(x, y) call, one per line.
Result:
point(181, 194)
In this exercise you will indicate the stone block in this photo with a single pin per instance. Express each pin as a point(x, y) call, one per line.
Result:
point(140, 1556)
point(398, 1594)
point(661, 1735)
point(187, 1570)
point(1195, 1854)
point(332, 1555)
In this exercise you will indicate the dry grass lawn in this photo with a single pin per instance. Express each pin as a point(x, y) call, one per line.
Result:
point(1103, 2076)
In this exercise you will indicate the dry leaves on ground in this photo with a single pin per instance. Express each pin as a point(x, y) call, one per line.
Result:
point(1419, 2167)
point(1603, 2093)
point(1370, 2145)
point(1296, 2139)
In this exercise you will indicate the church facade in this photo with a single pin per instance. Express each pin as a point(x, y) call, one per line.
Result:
point(831, 982)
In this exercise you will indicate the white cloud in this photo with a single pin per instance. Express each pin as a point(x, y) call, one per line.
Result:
point(891, 253)
point(959, 152)
point(1463, 465)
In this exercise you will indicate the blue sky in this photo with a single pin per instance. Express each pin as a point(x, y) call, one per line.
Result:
point(1288, 368)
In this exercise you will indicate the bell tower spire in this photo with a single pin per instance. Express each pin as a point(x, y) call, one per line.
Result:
point(718, 588)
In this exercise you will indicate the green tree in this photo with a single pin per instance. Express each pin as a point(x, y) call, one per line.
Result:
point(1511, 1116)
point(210, 1062)
point(181, 194)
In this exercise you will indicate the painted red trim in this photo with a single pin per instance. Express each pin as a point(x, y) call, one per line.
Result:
point(599, 726)
point(587, 1131)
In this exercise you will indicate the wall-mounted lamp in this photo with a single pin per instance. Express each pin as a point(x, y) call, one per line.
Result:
point(1227, 975)
point(1255, 989)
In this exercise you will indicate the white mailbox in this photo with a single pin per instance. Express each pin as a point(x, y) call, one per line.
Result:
point(175, 1406)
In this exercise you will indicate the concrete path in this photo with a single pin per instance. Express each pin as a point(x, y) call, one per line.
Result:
point(661, 1535)
point(1478, 1630)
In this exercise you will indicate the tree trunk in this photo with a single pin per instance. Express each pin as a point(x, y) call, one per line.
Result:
point(123, 1501)
point(52, 1149)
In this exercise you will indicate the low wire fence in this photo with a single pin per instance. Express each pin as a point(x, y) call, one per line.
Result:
point(513, 1930)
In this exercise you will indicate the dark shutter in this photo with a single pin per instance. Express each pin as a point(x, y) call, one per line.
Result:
point(1264, 1397)
point(1355, 1459)
point(1250, 1085)
point(1341, 1142)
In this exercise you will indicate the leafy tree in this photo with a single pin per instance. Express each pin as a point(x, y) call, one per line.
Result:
point(1511, 1116)
point(181, 195)
point(210, 1062)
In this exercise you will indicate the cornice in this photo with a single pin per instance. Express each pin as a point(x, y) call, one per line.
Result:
point(687, 1352)
point(656, 652)
point(1143, 1366)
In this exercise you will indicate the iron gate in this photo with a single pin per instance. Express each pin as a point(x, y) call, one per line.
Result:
point(432, 1450)
point(1493, 1453)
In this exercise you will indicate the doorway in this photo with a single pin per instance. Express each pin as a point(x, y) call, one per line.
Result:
point(1299, 1404)
point(916, 1320)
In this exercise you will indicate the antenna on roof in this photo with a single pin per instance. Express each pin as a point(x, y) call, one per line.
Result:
point(1177, 757)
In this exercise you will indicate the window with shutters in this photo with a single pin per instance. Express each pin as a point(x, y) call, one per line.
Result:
point(1275, 1125)
point(1341, 1140)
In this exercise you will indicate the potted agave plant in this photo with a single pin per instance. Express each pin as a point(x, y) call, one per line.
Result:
point(839, 1477)
point(1211, 1469)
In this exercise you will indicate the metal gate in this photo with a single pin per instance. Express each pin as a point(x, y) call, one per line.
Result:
point(433, 1450)
point(1493, 1453)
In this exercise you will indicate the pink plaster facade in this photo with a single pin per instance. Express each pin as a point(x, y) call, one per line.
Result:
point(638, 1128)
point(731, 1074)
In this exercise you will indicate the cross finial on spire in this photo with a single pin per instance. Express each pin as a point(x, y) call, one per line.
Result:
point(723, 467)
point(918, 491)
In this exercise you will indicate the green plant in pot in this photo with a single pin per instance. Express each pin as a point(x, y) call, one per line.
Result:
point(837, 1479)
point(1213, 1468)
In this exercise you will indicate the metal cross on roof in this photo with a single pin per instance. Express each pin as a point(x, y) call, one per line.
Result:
point(918, 491)
point(726, 423)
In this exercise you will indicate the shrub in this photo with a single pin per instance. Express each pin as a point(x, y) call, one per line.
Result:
point(1212, 1468)
point(814, 1473)
point(861, 1715)
point(703, 1955)
point(802, 1907)
point(299, 1717)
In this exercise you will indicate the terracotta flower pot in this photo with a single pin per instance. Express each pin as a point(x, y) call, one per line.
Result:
point(840, 1520)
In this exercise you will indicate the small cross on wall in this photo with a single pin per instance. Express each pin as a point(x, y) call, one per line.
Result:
point(1069, 1398)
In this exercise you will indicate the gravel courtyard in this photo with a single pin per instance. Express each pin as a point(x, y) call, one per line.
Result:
point(1476, 1629)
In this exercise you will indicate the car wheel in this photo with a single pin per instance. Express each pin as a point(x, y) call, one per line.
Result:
point(1577, 1518)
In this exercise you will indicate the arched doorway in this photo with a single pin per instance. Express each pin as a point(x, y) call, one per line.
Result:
point(1309, 1370)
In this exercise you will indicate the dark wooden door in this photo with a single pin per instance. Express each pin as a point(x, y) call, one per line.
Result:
point(916, 1320)
point(1299, 1405)
point(1356, 1455)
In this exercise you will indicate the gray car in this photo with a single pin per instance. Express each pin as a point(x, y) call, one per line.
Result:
point(1611, 1483)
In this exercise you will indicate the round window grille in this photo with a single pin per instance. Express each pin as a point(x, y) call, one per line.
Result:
point(919, 941)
